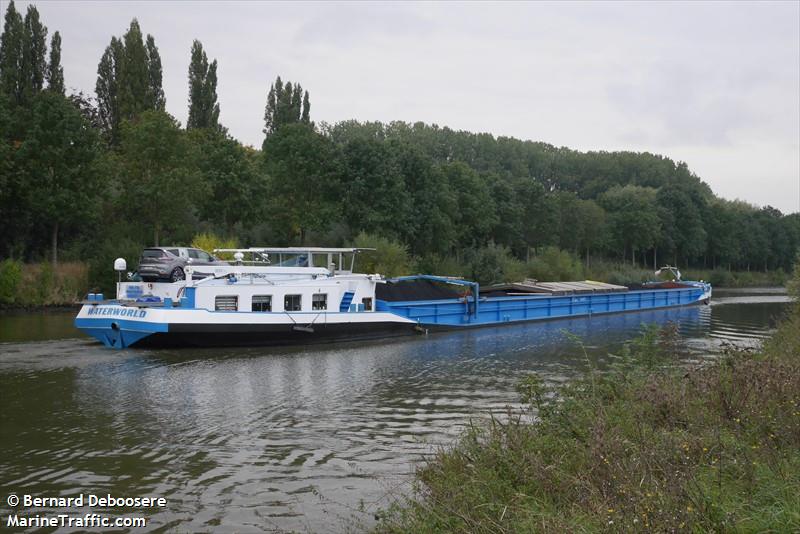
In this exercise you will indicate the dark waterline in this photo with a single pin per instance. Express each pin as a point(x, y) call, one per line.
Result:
point(309, 439)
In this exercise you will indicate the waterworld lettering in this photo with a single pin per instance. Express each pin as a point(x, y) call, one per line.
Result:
point(117, 311)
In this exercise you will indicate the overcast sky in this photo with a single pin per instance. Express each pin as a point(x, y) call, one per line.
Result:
point(714, 84)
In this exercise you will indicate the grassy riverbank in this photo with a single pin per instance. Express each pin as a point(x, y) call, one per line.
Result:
point(645, 445)
point(39, 284)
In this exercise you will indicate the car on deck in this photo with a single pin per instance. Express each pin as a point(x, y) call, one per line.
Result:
point(169, 263)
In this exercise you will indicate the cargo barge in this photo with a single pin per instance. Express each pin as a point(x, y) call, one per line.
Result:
point(273, 296)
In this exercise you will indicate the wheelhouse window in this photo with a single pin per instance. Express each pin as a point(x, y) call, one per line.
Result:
point(319, 301)
point(262, 303)
point(226, 303)
point(292, 303)
point(367, 304)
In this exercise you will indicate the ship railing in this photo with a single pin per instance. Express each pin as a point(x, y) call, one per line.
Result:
point(334, 259)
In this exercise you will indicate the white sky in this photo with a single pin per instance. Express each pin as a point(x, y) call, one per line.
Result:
point(714, 84)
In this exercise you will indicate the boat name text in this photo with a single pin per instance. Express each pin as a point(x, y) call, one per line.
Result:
point(117, 311)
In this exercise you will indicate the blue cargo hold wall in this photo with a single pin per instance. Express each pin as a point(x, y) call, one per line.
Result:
point(492, 310)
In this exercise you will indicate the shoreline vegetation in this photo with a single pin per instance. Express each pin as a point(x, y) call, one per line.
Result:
point(40, 285)
point(648, 443)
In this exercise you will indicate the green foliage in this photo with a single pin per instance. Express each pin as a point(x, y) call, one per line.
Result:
point(237, 183)
point(440, 265)
point(494, 264)
point(633, 218)
point(45, 282)
point(57, 160)
point(129, 80)
point(389, 258)
point(304, 185)
point(55, 72)
point(203, 105)
point(34, 52)
point(11, 52)
point(160, 182)
point(102, 277)
point(370, 166)
point(10, 277)
point(793, 285)
point(721, 278)
point(23, 51)
point(209, 242)
point(286, 104)
point(155, 93)
point(556, 265)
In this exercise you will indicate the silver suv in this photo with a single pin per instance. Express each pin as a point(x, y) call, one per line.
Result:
point(167, 263)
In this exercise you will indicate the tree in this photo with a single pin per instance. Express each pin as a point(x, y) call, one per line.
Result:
point(160, 184)
point(109, 72)
point(34, 52)
point(129, 80)
point(155, 91)
point(633, 218)
point(686, 227)
point(11, 54)
point(237, 186)
point(286, 104)
point(590, 227)
point(203, 105)
point(55, 72)
point(134, 84)
point(474, 216)
point(304, 188)
point(430, 228)
point(368, 167)
point(57, 159)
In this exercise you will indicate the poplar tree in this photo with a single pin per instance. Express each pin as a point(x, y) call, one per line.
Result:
point(108, 74)
point(34, 52)
point(155, 92)
point(306, 109)
point(203, 106)
point(134, 84)
point(129, 80)
point(286, 104)
point(55, 72)
point(11, 52)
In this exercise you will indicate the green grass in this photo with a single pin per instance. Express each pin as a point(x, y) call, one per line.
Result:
point(645, 445)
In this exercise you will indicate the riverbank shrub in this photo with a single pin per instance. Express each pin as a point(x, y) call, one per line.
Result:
point(494, 264)
point(390, 258)
point(10, 277)
point(644, 445)
point(554, 264)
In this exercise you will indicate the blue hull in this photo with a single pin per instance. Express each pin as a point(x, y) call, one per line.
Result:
point(465, 312)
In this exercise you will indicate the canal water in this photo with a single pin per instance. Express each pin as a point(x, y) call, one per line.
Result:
point(287, 439)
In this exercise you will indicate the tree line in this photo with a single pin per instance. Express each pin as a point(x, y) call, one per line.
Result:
point(91, 177)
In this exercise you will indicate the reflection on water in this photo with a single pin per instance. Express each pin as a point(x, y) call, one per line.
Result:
point(290, 439)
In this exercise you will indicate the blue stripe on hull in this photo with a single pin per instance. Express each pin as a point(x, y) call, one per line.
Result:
point(497, 310)
point(118, 333)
